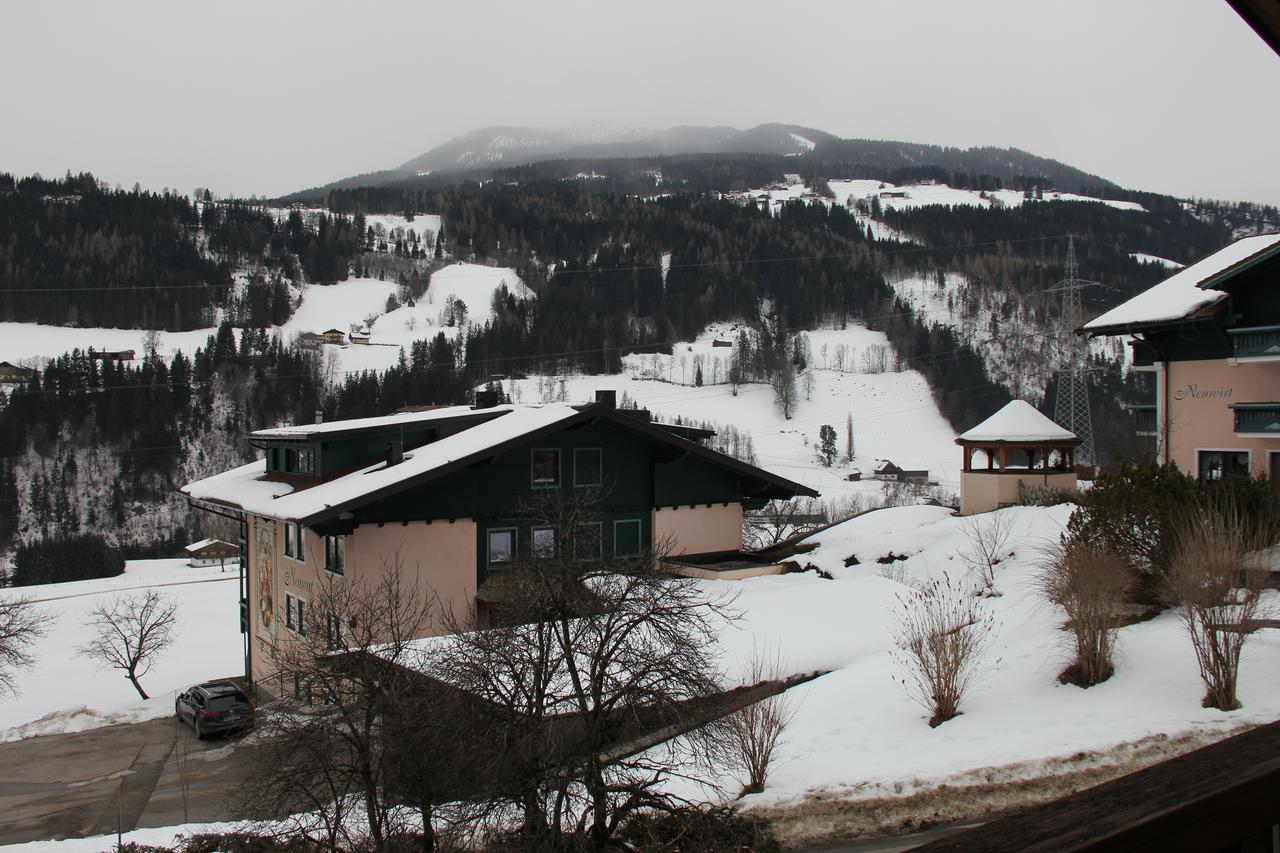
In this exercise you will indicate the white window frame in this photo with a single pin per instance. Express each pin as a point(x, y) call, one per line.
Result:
point(295, 541)
point(335, 545)
point(639, 536)
point(335, 632)
point(559, 477)
point(548, 550)
point(488, 547)
point(295, 614)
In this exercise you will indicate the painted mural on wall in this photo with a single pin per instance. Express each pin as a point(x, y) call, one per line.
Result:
point(264, 556)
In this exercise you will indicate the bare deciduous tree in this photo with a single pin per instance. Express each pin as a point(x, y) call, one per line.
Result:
point(756, 730)
point(942, 638)
point(1092, 583)
point(1216, 580)
point(130, 632)
point(780, 519)
point(343, 680)
point(21, 625)
point(988, 537)
point(605, 673)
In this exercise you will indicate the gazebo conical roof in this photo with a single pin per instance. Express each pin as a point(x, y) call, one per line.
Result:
point(1018, 423)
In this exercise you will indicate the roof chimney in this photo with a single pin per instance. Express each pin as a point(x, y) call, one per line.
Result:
point(319, 416)
point(608, 399)
point(486, 399)
point(395, 452)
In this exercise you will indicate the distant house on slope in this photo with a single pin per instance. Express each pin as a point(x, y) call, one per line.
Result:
point(360, 336)
point(117, 356)
point(12, 374)
point(447, 492)
point(334, 336)
point(211, 552)
point(1211, 335)
point(310, 340)
point(893, 474)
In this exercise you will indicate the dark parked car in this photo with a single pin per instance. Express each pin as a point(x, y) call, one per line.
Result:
point(215, 706)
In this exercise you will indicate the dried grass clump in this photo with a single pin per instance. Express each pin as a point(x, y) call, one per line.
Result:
point(755, 731)
point(1091, 582)
point(1216, 581)
point(942, 638)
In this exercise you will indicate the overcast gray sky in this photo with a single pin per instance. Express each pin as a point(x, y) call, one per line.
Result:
point(1175, 96)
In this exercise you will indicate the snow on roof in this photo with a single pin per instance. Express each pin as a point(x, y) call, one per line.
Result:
point(1018, 421)
point(399, 419)
point(205, 543)
point(244, 487)
point(1183, 293)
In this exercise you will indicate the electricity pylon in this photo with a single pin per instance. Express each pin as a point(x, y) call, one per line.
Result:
point(1071, 408)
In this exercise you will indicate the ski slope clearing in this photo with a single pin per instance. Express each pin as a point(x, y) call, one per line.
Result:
point(67, 692)
point(1144, 258)
point(425, 225)
point(353, 302)
point(894, 415)
point(857, 733)
point(906, 196)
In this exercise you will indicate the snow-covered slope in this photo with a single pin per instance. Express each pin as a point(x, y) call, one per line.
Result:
point(858, 734)
point(341, 305)
point(68, 692)
point(900, 197)
point(894, 415)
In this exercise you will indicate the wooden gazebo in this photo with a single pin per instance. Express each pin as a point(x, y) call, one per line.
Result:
point(1020, 446)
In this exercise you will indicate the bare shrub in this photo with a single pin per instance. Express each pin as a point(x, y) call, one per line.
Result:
point(130, 632)
point(1091, 582)
point(988, 536)
point(1216, 583)
point(942, 638)
point(754, 731)
point(896, 572)
point(602, 677)
point(21, 624)
point(781, 519)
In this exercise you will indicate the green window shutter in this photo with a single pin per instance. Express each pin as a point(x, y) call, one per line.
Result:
point(626, 538)
point(586, 466)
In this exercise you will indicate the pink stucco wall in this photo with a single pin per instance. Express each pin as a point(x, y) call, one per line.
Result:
point(439, 557)
point(1199, 393)
point(699, 529)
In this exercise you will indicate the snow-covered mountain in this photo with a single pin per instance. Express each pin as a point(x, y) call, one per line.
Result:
point(507, 145)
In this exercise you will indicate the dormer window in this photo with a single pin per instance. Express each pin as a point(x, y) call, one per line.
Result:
point(298, 461)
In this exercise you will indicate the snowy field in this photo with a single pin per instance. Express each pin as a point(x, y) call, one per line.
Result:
point(340, 305)
point(1144, 258)
point(894, 415)
point(856, 731)
point(67, 692)
point(907, 196)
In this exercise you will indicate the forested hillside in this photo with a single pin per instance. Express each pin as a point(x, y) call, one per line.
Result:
point(74, 252)
point(619, 256)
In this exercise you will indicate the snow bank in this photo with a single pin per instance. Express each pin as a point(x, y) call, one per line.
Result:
point(856, 732)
